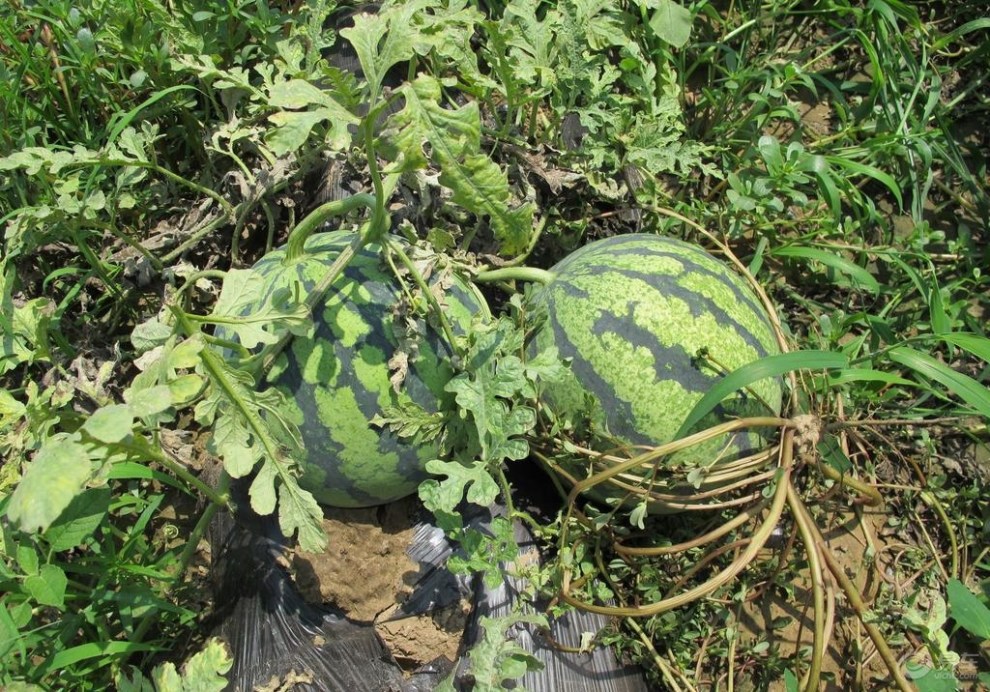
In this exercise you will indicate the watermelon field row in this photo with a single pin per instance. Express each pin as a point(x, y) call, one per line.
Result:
point(667, 315)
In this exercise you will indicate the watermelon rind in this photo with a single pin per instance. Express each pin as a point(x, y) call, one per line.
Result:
point(336, 381)
point(632, 313)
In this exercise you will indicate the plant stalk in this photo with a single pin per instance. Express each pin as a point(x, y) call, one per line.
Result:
point(515, 274)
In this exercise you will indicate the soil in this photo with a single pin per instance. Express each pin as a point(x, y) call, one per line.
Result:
point(786, 621)
point(367, 573)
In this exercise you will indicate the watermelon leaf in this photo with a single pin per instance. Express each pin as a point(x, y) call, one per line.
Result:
point(497, 658)
point(495, 375)
point(454, 139)
point(244, 436)
point(481, 487)
point(58, 473)
point(383, 40)
point(531, 41)
point(771, 366)
point(486, 554)
point(203, 671)
point(237, 309)
point(292, 127)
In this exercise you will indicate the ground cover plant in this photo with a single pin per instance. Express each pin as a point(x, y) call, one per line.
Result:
point(833, 152)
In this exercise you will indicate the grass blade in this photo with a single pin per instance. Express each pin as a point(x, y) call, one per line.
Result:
point(967, 610)
point(860, 277)
point(92, 650)
point(884, 179)
point(841, 377)
point(977, 344)
point(771, 366)
point(976, 395)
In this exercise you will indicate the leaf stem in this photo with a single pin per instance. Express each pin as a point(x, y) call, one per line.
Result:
point(228, 208)
point(515, 274)
point(188, 551)
point(196, 276)
point(424, 288)
point(379, 218)
point(820, 640)
point(315, 296)
point(297, 239)
point(215, 369)
point(177, 469)
point(861, 609)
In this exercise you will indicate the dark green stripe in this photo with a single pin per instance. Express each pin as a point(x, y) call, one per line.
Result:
point(599, 257)
point(680, 362)
point(619, 413)
point(666, 285)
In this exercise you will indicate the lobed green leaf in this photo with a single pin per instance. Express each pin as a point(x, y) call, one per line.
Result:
point(454, 138)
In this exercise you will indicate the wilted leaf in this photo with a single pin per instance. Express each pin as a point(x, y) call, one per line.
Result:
point(454, 139)
point(204, 672)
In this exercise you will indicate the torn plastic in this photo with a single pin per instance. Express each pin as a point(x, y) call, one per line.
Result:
point(275, 636)
point(595, 671)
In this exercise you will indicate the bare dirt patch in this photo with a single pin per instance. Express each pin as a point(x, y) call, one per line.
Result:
point(366, 572)
point(858, 543)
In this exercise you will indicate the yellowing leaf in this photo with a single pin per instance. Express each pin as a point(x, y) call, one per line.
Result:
point(58, 473)
point(204, 672)
point(111, 423)
point(297, 93)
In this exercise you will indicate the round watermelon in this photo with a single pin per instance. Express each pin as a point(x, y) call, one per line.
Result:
point(337, 382)
point(633, 313)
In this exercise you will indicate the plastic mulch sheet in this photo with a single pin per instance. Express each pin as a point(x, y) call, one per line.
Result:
point(275, 636)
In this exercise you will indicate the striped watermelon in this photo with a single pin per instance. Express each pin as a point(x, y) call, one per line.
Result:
point(632, 312)
point(337, 382)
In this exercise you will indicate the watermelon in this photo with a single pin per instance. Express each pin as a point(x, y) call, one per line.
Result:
point(337, 382)
point(632, 313)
